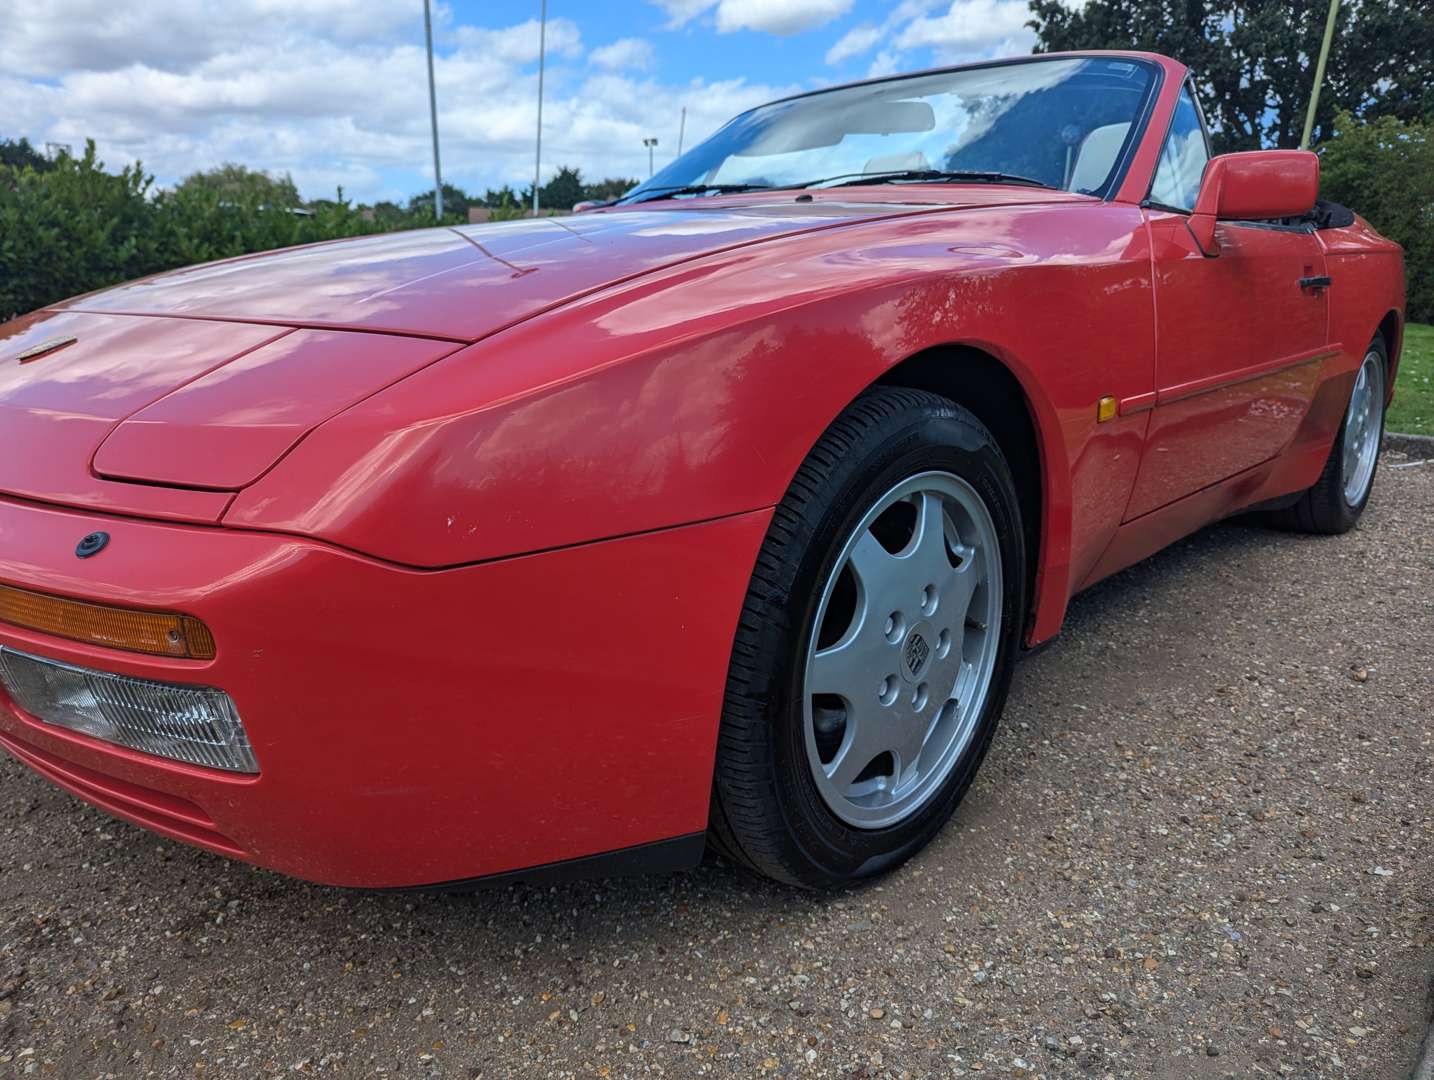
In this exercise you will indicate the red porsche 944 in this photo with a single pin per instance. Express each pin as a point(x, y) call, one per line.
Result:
point(719, 514)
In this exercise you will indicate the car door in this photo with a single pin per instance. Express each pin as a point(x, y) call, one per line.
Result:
point(1240, 337)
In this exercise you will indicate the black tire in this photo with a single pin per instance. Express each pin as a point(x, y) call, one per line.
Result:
point(767, 815)
point(1322, 508)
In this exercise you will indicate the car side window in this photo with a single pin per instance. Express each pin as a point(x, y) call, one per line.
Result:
point(1182, 161)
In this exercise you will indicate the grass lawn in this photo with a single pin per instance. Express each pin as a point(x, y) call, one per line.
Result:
point(1413, 410)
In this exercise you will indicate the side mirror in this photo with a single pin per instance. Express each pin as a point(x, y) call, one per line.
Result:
point(1259, 185)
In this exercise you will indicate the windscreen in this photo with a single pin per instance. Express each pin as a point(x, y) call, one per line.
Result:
point(1064, 123)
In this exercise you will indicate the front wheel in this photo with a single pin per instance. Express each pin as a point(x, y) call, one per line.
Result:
point(1337, 499)
point(876, 644)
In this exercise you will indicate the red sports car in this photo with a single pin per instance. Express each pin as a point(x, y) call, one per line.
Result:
point(719, 514)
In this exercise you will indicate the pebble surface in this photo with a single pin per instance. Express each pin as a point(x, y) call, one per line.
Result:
point(1200, 848)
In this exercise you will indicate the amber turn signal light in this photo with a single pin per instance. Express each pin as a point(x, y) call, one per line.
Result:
point(155, 632)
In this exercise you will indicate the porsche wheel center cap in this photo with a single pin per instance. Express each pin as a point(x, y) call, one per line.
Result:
point(916, 652)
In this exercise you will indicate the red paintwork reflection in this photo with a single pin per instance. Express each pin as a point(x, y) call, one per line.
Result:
point(55, 411)
point(224, 429)
point(568, 406)
point(1260, 185)
point(467, 282)
point(1232, 389)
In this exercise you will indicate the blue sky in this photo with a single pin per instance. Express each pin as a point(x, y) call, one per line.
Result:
point(334, 91)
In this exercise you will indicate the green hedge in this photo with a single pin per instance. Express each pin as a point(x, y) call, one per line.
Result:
point(1384, 171)
point(74, 228)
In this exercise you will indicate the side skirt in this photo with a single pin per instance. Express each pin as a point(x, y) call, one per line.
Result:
point(1281, 503)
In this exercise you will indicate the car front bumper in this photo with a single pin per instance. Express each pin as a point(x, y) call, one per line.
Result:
point(412, 727)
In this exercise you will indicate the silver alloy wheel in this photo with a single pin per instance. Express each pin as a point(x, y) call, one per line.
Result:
point(1363, 425)
point(902, 650)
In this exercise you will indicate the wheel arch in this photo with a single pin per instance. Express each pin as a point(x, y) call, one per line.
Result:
point(977, 380)
point(1391, 329)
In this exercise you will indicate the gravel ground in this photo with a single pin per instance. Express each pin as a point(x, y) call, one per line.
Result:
point(1199, 849)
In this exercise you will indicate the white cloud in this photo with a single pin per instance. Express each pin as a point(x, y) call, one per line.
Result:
point(886, 62)
point(347, 107)
point(767, 16)
point(967, 28)
point(606, 117)
point(913, 37)
point(625, 54)
point(99, 35)
point(519, 44)
point(778, 16)
point(682, 12)
point(854, 42)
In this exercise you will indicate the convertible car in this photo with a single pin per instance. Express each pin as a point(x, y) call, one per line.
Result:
point(716, 515)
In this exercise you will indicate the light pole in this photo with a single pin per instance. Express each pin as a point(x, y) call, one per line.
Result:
point(650, 144)
point(1319, 73)
point(542, 51)
point(433, 116)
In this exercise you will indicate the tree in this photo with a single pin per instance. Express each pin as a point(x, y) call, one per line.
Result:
point(1253, 60)
point(456, 202)
point(563, 190)
point(610, 188)
point(240, 185)
point(503, 198)
point(390, 215)
point(19, 154)
point(1385, 170)
point(72, 228)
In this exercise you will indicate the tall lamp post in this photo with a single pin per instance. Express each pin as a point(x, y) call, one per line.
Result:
point(1319, 73)
point(433, 116)
point(542, 53)
point(650, 144)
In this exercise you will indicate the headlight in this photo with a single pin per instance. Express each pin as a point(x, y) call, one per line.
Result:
point(193, 724)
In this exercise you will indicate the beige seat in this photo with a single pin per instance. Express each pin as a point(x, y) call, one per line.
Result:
point(1096, 155)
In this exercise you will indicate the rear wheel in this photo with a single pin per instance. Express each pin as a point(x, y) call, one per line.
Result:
point(876, 644)
point(1336, 500)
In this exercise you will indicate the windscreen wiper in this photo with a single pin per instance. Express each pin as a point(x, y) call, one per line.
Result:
point(929, 175)
point(652, 194)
